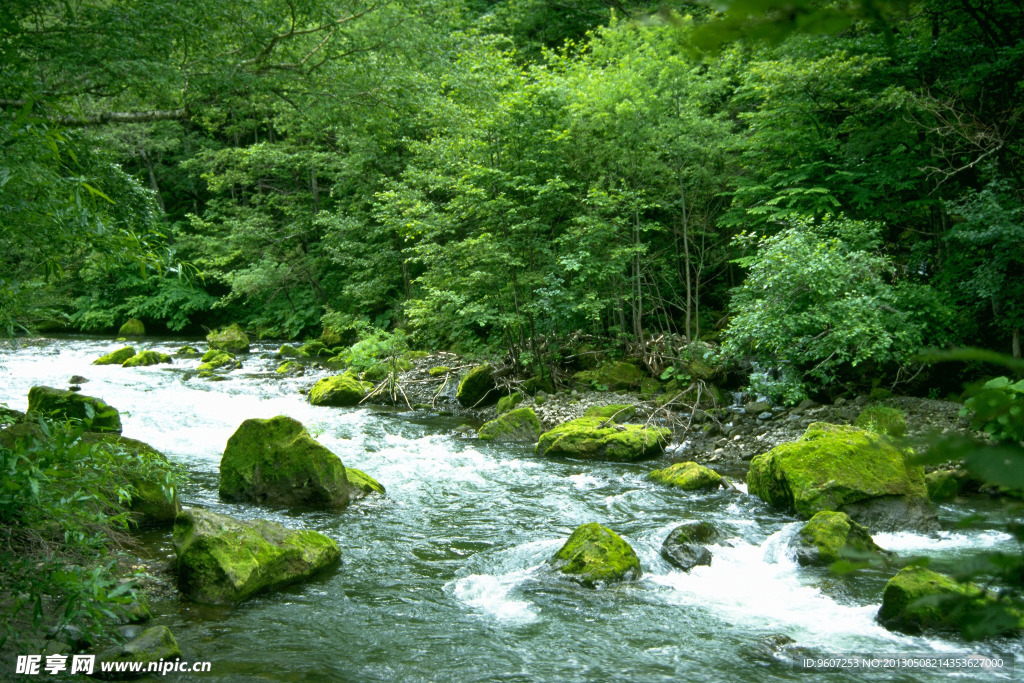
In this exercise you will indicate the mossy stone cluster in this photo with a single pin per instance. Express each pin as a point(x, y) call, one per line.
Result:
point(146, 358)
point(187, 352)
point(277, 462)
point(132, 328)
point(289, 351)
point(830, 535)
point(62, 404)
point(231, 338)
point(882, 420)
point(520, 424)
point(477, 389)
point(689, 476)
point(620, 412)
point(507, 403)
point(291, 369)
point(339, 391)
point(592, 438)
point(614, 376)
point(918, 600)
point(222, 560)
point(594, 554)
point(217, 360)
point(832, 466)
point(115, 357)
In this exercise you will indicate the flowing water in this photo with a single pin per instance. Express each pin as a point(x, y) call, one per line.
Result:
point(445, 578)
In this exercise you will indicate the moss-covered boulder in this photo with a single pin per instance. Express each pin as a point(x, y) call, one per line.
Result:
point(620, 412)
point(332, 337)
point(507, 403)
point(115, 357)
point(477, 389)
point(829, 536)
point(217, 360)
point(595, 554)
point(613, 376)
point(277, 462)
point(843, 468)
point(187, 352)
point(152, 504)
point(152, 645)
point(314, 349)
point(291, 369)
point(684, 545)
point(222, 560)
point(146, 358)
point(919, 599)
point(231, 338)
point(10, 416)
point(50, 402)
point(289, 351)
point(520, 424)
point(132, 328)
point(593, 438)
point(882, 420)
point(688, 476)
point(363, 483)
point(339, 391)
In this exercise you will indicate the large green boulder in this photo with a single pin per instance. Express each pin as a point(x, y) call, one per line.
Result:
point(222, 560)
point(477, 389)
point(50, 402)
point(689, 476)
point(684, 545)
point(614, 376)
point(829, 536)
point(520, 424)
point(843, 468)
point(231, 338)
point(277, 462)
point(216, 360)
point(291, 369)
point(115, 357)
point(617, 413)
point(132, 328)
point(289, 351)
point(919, 599)
point(146, 358)
point(339, 391)
point(595, 554)
point(593, 438)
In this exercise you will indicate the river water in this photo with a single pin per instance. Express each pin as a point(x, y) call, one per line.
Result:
point(445, 578)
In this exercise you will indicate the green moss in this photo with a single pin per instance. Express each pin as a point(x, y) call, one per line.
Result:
point(589, 438)
point(882, 420)
point(218, 360)
point(231, 338)
point(477, 388)
point(362, 481)
point(507, 403)
point(289, 351)
point(339, 391)
point(115, 357)
point(151, 506)
point(414, 355)
point(619, 412)
point(688, 476)
point(439, 370)
point(540, 399)
point(520, 424)
point(313, 349)
point(62, 404)
point(132, 328)
point(595, 554)
point(650, 387)
point(829, 535)
point(291, 368)
point(331, 337)
point(187, 352)
point(381, 370)
point(277, 462)
point(146, 358)
point(614, 376)
point(222, 560)
point(879, 394)
point(831, 466)
point(918, 599)
point(335, 363)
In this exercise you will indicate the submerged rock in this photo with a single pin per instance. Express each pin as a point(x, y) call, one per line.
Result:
point(231, 338)
point(837, 467)
point(339, 391)
point(595, 554)
point(50, 402)
point(146, 358)
point(918, 600)
point(590, 438)
point(222, 560)
point(688, 476)
point(115, 357)
point(477, 389)
point(132, 328)
point(277, 462)
point(684, 545)
point(520, 424)
point(152, 645)
point(830, 535)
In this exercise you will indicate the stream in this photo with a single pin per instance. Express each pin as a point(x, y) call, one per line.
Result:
point(445, 578)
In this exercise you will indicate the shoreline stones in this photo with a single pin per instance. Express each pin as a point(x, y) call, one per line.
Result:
point(593, 438)
point(223, 560)
point(595, 554)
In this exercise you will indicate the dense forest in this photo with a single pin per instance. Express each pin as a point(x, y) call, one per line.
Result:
point(829, 186)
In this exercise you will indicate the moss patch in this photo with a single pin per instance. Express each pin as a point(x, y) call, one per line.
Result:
point(132, 328)
point(146, 358)
point(363, 482)
point(115, 357)
point(291, 368)
point(592, 438)
point(507, 403)
point(231, 338)
point(520, 424)
point(688, 476)
point(218, 360)
point(829, 535)
point(882, 420)
point(439, 370)
point(58, 403)
point(614, 376)
point(289, 351)
point(187, 352)
point(477, 388)
point(339, 391)
point(595, 554)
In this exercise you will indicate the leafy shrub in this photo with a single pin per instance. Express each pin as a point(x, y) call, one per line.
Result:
point(997, 408)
